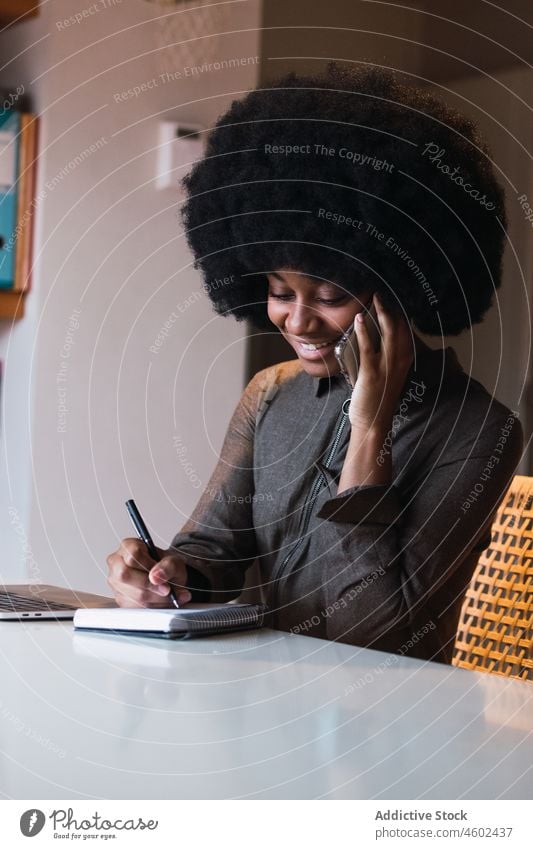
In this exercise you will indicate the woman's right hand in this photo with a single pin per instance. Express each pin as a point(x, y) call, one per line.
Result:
point(139, 581)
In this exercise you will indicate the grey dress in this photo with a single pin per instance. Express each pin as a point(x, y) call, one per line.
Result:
point(378, 566)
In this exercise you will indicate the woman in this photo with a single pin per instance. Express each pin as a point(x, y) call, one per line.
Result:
point(366, 510)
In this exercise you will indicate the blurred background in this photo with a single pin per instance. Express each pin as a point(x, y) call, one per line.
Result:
point(118, 379)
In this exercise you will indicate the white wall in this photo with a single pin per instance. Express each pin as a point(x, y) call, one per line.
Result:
point(111, 266)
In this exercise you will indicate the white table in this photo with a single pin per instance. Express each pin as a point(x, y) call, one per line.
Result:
point(256, 715)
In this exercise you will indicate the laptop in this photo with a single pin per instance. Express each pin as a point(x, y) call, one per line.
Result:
point(42, 601)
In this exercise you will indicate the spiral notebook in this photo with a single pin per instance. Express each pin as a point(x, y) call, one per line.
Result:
point(190, 620)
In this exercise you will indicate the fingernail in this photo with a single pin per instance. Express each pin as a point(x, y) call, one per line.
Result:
point(184, 597)
point(162, 589)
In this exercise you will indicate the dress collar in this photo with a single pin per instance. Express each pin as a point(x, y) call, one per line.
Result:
point(327, 384)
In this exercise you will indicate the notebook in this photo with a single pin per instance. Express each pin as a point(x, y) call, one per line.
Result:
point(42, 601)
point(171, 623)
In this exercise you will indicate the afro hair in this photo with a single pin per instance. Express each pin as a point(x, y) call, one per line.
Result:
point(353, 177)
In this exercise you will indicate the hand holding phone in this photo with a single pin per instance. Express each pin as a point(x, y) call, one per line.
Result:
point(347, 349)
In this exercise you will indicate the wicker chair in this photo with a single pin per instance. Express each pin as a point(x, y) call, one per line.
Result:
point(495, 631)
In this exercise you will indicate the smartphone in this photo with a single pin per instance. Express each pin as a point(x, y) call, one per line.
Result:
point(347, 349)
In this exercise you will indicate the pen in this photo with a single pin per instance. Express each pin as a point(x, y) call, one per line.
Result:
point(144, 535)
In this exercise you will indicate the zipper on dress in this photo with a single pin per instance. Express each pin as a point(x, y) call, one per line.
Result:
point(308, 504)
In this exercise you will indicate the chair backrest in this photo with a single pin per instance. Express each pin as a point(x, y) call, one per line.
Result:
point(495, 631)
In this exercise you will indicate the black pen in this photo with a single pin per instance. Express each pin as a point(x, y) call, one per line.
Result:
point(144, 535)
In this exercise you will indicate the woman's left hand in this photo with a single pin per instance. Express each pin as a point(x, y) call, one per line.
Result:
point(382, 374)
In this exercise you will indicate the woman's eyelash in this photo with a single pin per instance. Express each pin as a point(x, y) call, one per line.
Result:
point(327, 301)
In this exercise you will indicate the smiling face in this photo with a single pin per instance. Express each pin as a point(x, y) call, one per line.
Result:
point(312, 315)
